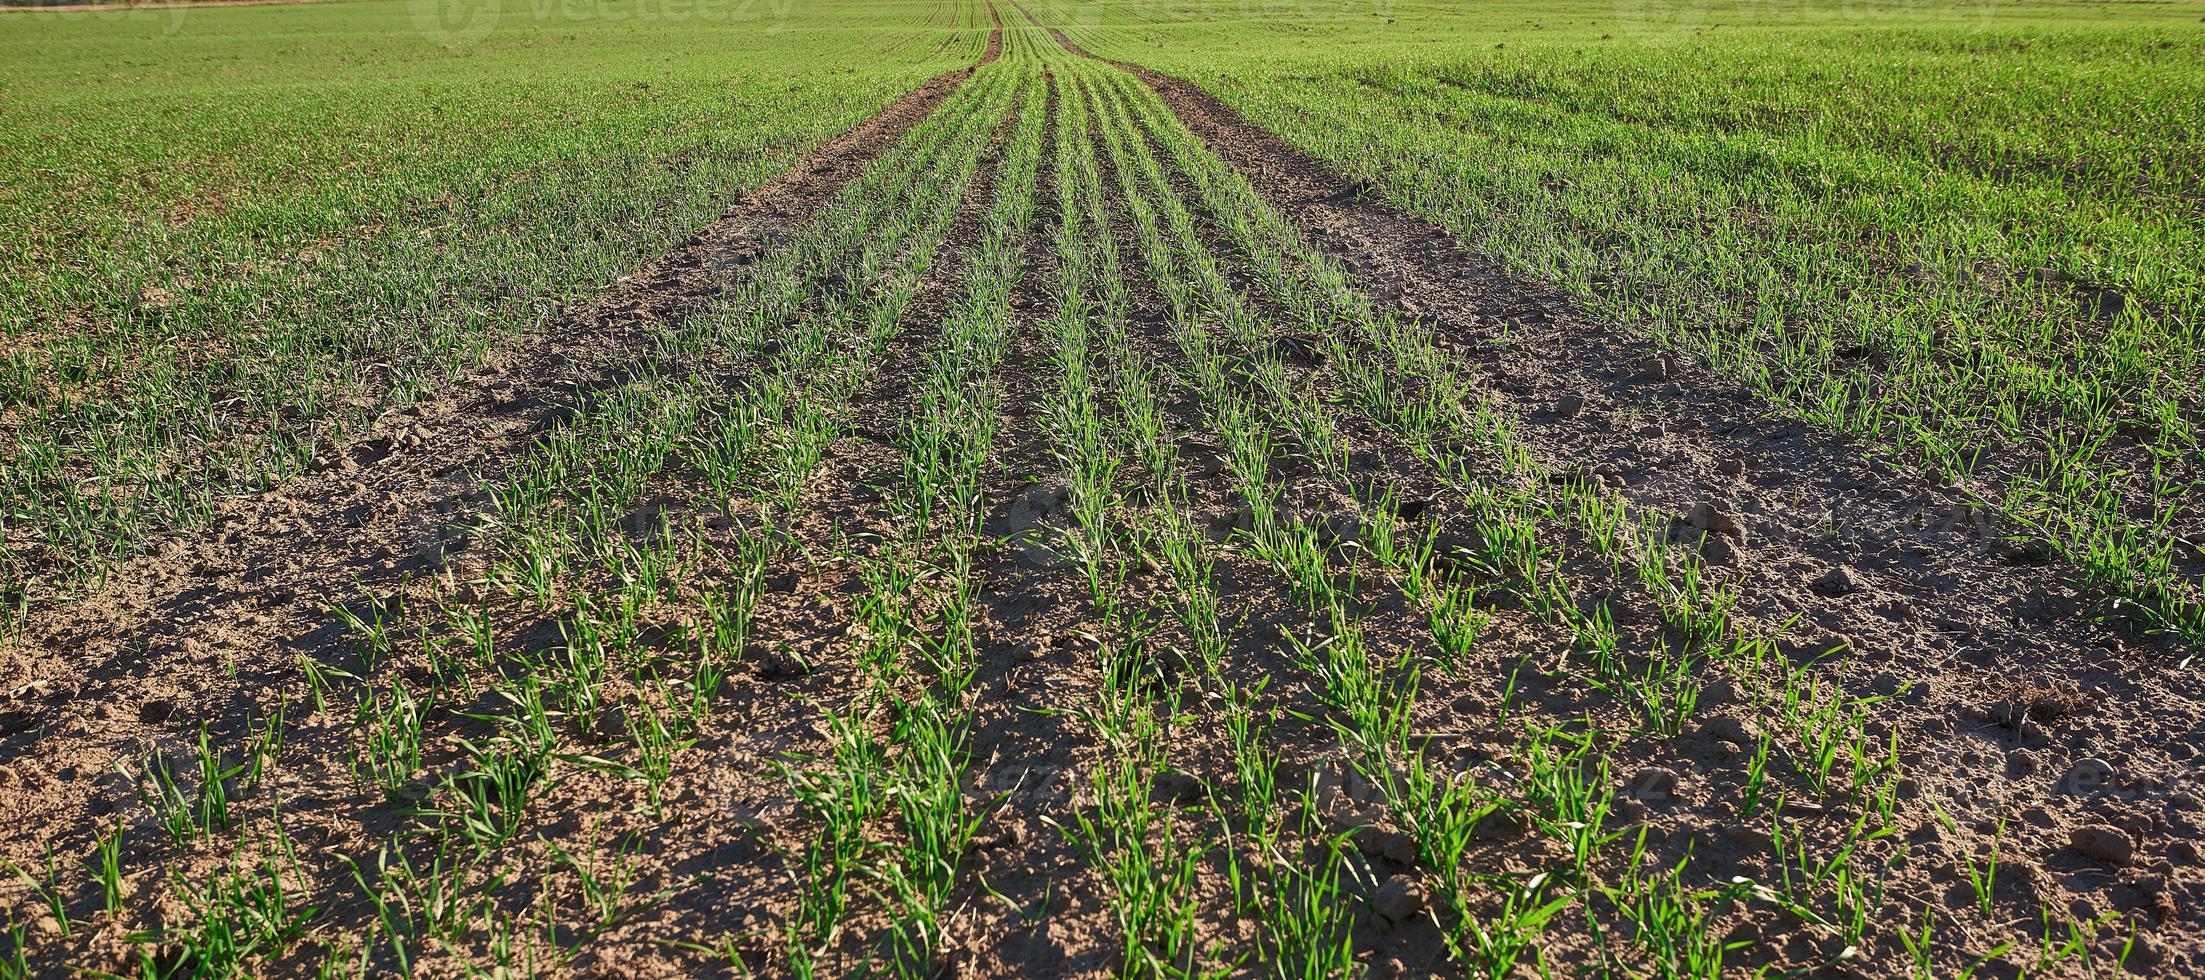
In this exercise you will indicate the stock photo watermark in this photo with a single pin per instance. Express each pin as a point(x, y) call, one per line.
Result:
point(459, 24)
point(1677, 20)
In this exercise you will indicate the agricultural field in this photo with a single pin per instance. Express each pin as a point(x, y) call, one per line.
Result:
point(1102, 489)
point(1966, 235)
point(236, 236)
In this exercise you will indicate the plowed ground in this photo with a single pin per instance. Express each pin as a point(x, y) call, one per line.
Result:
point(1062, 531)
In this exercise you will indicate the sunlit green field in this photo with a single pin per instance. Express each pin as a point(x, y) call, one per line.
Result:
point(230, 232)
point(1071, 538)
point(1970, 233)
